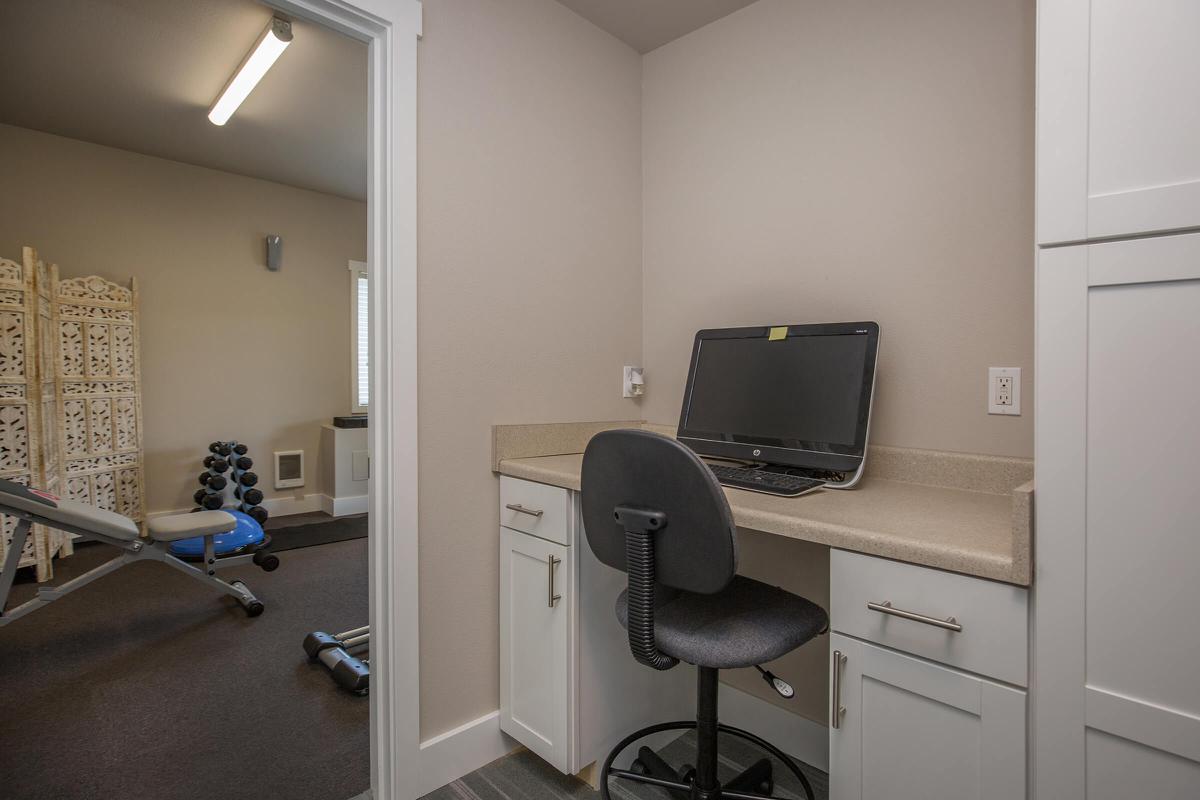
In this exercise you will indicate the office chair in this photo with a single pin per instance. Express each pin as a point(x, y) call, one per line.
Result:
point(653, 509)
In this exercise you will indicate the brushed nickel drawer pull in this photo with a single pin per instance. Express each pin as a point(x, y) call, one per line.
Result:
point(837, 711)
point(949, 623)
point(553, 562)
point(520, 509)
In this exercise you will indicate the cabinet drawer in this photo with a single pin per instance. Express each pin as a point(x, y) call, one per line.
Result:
point(993, 636)
point(536, 508)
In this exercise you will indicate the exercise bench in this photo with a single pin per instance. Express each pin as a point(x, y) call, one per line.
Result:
point(34, 507)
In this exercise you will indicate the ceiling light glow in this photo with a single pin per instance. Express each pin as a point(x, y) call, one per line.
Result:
point(267, 49)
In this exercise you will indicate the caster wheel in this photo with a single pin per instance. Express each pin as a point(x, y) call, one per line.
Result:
point(687, 774)
point(638, 767)
point(254, 609)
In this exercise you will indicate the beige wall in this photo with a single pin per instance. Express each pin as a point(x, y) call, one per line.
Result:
point(529, 288)
point(229, 350)
point(811, 161)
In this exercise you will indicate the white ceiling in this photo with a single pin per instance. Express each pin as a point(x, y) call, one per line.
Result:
point(141, 75)
point(647, 24)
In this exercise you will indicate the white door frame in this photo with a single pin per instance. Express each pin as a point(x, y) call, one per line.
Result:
point(391, 29)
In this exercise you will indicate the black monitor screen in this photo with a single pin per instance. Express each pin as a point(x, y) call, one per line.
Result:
point(809, 391)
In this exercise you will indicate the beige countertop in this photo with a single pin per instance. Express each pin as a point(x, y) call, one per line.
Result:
point(980, 525)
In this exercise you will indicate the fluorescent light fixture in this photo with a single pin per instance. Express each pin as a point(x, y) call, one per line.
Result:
point(274, 40)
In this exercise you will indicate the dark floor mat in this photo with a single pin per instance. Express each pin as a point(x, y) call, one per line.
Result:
point(342, 529)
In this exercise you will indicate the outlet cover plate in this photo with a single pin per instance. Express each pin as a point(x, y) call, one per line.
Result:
point(996, 404)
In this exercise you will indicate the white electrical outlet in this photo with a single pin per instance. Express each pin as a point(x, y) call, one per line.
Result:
point(1004, 391)
point(633, 383)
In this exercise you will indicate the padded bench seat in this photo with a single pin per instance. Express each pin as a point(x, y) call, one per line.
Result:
point(185, 526)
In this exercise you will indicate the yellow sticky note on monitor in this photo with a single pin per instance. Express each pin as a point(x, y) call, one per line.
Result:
point(777, 333)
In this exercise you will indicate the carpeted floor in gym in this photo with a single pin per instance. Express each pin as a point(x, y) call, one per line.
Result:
point(147, 685)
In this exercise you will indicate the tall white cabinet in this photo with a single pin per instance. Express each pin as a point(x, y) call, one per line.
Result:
point(1117, 117)
point(1116, 640)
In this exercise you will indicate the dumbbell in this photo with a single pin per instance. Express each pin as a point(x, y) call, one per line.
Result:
point(248, 479)
point(217, 482)
point(252, 496)
point(212, 448)
point(244, 462)
point(213, 502)
point(204, 478)
point(258, 514)
point(241, 449)
point(208, 461)
point(219, 465)
point(266, 560)
point(199, 496)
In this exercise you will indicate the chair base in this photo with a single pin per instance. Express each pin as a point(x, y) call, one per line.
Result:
point(650, 769)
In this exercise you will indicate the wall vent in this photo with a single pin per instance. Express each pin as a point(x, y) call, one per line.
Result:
point(289, 469)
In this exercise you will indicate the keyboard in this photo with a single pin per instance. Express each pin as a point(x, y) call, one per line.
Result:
point(758, 480)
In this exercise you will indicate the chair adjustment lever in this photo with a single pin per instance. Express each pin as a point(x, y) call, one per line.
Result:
point(781, 686)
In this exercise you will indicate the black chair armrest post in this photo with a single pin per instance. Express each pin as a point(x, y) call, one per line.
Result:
point(640, 527)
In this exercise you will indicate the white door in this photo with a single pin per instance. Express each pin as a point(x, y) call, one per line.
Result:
point(915, 730)
point(536, 645)
point(1117, 639)
point(1118, 121)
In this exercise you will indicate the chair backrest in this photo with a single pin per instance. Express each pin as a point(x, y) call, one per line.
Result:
point(694, 539)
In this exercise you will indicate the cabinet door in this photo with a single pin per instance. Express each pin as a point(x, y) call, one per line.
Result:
point(536, 647)
point(1117, 120)
point(915, 730)
point(1118, 452)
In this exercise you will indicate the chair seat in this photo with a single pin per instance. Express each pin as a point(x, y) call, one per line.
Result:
point(185, 526)
point(746, 623)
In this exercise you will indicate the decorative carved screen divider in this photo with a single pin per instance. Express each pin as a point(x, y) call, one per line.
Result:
point(99, 392)
point(70, 395)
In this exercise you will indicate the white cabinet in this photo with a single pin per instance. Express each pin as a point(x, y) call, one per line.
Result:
point(1116, 639)
point(1117, 118)
point(569, 687)
point(992, 618)
point(536, 645)
point(919, 706)
point(910, 729)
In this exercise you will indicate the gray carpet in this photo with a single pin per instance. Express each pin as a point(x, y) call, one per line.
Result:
point(147, 685)
point(524, 776)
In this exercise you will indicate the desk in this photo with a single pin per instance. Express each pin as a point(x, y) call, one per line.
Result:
point(965, 513)
point(953, 538)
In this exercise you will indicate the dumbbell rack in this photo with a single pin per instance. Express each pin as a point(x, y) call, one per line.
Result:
point(218, 491)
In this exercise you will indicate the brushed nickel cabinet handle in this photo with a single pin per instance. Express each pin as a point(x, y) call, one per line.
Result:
point(520, 509)
point(836, 711)
point(551, 563)
point(949, 623)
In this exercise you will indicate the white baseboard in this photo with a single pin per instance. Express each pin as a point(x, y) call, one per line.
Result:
point(449, 756)
point(287, 506)
point(795, 735)
point(344, 506)
point(275, 506)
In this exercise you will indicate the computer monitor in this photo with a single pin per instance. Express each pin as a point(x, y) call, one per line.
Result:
point(798, 396)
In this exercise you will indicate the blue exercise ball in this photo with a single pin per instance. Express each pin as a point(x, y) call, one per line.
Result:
point(247, 534)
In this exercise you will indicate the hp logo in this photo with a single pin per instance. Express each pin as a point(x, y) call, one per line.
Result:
point(757, 453)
